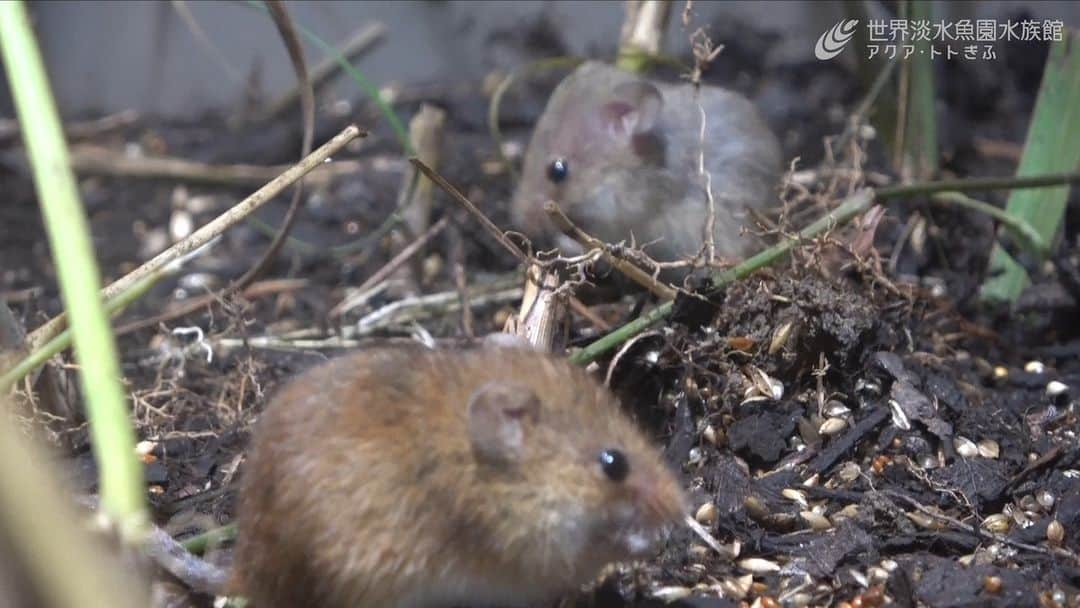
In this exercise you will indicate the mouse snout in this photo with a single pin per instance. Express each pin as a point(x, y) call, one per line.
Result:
point(662, 500)
point(658, 506)
point(529, 216)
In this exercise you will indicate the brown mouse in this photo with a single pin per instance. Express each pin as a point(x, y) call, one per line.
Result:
point(620, 153)
point(420, 478)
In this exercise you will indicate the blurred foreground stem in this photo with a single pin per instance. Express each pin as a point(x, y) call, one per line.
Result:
point(122, 484)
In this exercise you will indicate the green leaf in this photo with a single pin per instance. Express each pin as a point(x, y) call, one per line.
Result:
point(1052, 146)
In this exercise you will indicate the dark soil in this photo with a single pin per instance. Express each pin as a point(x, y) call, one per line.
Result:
point(862, 423)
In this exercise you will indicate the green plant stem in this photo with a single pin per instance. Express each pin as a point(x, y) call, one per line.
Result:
point(113, 439)
point(978, 183)
point(1052, 144)
point(921, 140)
point(854, 205)
point(1023, 231)
point(198, 544)
point(58, 344)
point(61, 563)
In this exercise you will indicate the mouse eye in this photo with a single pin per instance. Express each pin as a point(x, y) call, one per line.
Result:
point(558, 170)
point(614, 464)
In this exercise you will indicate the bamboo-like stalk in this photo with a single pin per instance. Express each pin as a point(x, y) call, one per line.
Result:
point(921, 149)
point(67, 567)
point(1053, 144)
point(123, 497)
point(59, 343)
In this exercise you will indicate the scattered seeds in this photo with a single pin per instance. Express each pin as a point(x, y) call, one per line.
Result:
point(755, 508)
point(796, 496)
point(145, 447)
point(706, 514)
point(835, 408)
point(860, 578)
point(849, 472)
point(1001, 372)
point(899, 418)
point(998, 523)
point(816, 520)
point(988, 448)
point(928, 461)
point(671, 594)
point(992, 584)
point(867, 389)
point(923, 520)
point(696, 456)
point(758, 565)
point(780, 337)
point(1045, 498)
point(798, 600)
point(766, 385)
point(965, 447)
point(1055, 388)
point(181, 224)
point(710, 434)
point(832, 426)
point(877, 575)
point(1034, 367)
point(699, 551)
point(737, 588)
point(1055, 533)
point(754, 399)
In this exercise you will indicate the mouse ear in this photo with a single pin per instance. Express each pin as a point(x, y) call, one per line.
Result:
point(498, 417)
point(631, 110)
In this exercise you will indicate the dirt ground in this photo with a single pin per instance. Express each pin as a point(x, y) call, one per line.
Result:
point(862, 426)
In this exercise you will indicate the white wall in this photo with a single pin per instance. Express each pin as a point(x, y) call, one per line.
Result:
point(108, 56)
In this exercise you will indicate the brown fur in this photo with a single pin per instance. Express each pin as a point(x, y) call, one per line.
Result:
point(362, 487)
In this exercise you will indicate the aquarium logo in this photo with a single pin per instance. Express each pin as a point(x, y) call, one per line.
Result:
point(833, 41)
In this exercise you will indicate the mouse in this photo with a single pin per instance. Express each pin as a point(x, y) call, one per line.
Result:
point(619, 153)
point(409, 477)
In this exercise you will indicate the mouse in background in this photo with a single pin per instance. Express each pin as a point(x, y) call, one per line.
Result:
point(418, 478)
point(620, 153)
